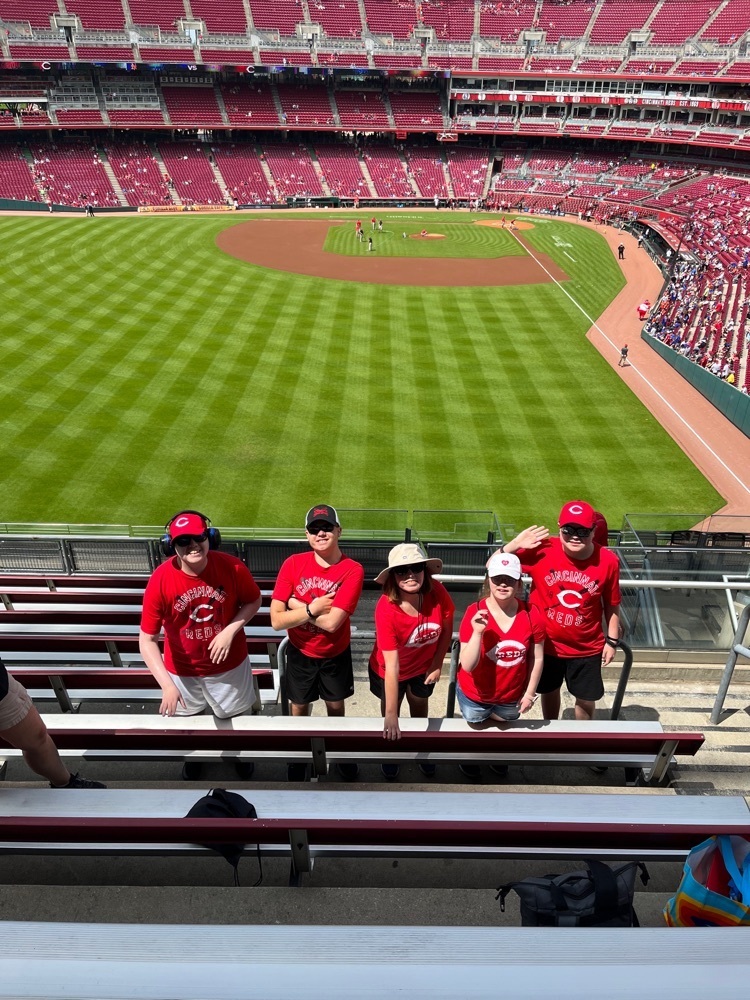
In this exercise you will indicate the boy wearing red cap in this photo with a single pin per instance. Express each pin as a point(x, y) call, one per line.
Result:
point(576, 583)
point(203, 599)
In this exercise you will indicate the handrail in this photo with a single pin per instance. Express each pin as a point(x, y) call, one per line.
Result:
point(738, 649)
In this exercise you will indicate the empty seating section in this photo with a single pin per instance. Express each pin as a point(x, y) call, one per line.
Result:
point(164, 13)
point(189, 169)
point(167, 54)
point(506, 20)
point(78, 117)
point(338, 18)
point(451, 62)
point(352, 59)
point(617, 18)
point(739, 70)
point(561, 21)
point(415, 110)
point(105, 53)
point(292, 170)
point(413, 61)
point(388, 173)
point(548, 186)
point(97, 15)
point(676, 21)
point(221, 17)
point(249, 104)
point(454, 21)
point(468, 171)
point(135, 167)
point(598, 66)
point(305, 106)
point(341, 169)
point(391, 17)
point(427, 170)
point(277, 15)
point(730, 24)
point(548, 163)
point(554, 64)
point(37, 12)
point(648, 67)
point(500, 64)
point(71, 173)
point(284, 57)
point(697, 67)
point(240, 166)
point(38, 53)
point(232, 57)
point(15, 175)
point(193, 106)
point(362, 110)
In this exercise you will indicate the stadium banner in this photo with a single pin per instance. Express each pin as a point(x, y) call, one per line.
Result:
point(517, 97)
point(153, 209)
point(185, 208)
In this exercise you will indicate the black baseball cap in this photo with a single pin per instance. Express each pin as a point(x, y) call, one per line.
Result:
point(321, 512)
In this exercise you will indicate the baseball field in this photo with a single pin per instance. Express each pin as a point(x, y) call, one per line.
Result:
point(249, 366)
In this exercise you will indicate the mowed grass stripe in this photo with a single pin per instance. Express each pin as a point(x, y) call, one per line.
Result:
point(146, 370)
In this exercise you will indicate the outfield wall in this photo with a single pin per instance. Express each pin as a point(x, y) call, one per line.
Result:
point(734, 404)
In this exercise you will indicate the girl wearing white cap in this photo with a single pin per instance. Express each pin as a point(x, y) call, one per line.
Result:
point(413, 630)
point(502, 651)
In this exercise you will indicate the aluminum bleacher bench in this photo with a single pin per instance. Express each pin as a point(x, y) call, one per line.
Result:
point(308, 823)
point(642, 748)
point(269, 962)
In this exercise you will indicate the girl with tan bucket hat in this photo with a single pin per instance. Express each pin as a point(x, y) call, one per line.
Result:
point(413, 630)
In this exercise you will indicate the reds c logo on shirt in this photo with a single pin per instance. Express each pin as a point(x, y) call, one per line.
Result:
point(424, 634)
point(507, 653)
point(570, 598)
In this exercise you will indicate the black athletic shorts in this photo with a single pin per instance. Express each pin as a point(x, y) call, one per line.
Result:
point(582, 676)
point(416, 685)
point(309, 679)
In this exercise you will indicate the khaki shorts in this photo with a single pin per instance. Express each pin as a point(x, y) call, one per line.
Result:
point(15, 706)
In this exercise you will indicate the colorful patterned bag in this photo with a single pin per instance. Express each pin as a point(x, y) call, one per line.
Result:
point(715, 887)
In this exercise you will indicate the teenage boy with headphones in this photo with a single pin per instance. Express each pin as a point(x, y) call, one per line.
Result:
point(203, 599)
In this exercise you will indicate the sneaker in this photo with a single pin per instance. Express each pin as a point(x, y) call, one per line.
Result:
point(501, 770)
point(191, 770)
point(427, 769)
point(390, 771)
point(348, 769)
point(296, 772)
point(76, 781)
point(471, 771)
point(244, 769)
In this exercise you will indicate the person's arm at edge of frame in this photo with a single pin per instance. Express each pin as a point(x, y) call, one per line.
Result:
point(529, 696)
point(218, 648)
point(391, 728)
point(432, 675)
point(471, 651)
point(149, 649)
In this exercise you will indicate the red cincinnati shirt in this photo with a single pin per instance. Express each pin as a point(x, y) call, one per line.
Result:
point(194, 609)
point(413, 637)
point(571, 594)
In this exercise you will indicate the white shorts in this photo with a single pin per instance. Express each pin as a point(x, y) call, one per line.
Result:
point(232, 693)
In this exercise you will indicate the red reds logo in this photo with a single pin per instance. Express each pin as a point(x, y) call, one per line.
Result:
point(508, 653)
point(424, 634)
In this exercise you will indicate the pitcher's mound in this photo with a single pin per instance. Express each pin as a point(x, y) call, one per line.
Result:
point(426, 236)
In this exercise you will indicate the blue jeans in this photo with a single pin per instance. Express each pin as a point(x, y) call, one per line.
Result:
point(477, 711)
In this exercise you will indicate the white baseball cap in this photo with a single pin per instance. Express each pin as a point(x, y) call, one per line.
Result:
point(504, 564)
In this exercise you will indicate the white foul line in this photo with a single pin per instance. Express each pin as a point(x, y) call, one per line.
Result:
point(568, 255)
point(653, 388)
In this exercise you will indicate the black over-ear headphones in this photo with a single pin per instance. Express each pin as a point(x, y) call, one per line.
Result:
point(214, 535)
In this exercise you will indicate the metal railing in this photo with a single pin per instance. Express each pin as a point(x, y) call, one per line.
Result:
point(739, 648)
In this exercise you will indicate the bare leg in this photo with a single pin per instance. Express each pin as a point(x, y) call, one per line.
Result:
point(299, 710)
point(40, 753)
point(585, 710)
point(418, 707)
point(336, 708)
point(551, 705)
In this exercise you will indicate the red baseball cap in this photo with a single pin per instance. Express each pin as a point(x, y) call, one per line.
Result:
point(577, 512)
point(186, 523)
point(601, 529)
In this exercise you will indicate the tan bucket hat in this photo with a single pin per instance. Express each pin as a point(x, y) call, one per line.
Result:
point(408, 554)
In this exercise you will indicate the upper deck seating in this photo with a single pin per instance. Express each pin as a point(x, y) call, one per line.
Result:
point(427, 170)
point(31, 52)
point(413, 61)
point(506, 20)
point(164, 13)
point(697, 67)
point(280, 15)
point(565, 21)
point(342, 170)
point(339, 18)
point(453, 22)
point(221, 17)
point(617, 18)
point(285, 57)
point(598, 67)
point(250, 104)
point(362, 110)
point(450, 62)
point(550, 64)
point(730, 24)
point(388, 172)
point(739, 70)
point(194, 106)
point(241, 169)
point(292, 170)
point(501, 64)
point(676, 21)
point(348, 58)
point(388, 17)
point(236, 57)
point(78, 117)
point(15, 177)
point(416, 110)
point(98, 15)
point(140, 118)
point(648, 67)
point(191, 173)
point(308, 106)
point(105, 53)
point(38, 13)
point(167, 54)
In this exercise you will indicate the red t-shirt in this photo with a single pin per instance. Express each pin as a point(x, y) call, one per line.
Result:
point(571, 594)
point(413, 636)
point(502, 674)
point(303, 577)
point(194, 609)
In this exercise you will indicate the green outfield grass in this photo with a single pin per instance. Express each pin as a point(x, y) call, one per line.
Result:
point(461, 239)
point(145, 370)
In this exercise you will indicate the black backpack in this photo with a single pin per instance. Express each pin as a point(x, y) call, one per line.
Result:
point(219, 803)
point(599, 897)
